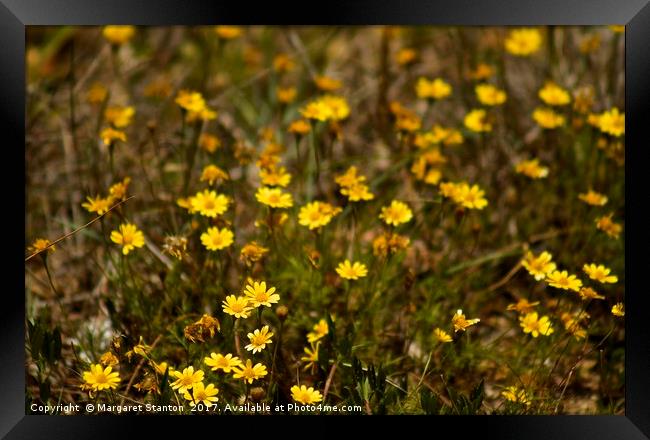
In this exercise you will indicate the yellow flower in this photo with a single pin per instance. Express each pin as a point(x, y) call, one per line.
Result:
point(481, 72)
point(109, 359)
point(129, 237)
point(326, 108)
point(562, 280)
point(471, 197)
point(389, 243)
point(304, 395)
point(476, 120)
point(275, 176)
point(599, 273)
point(311, 358)
point(118, 34)
point(338, 107)
point(433, 156)
point(98, 378)
point(259, 338)
point(97, 204)
point(433, 176)
point(461, 323)
point(612, 122)
point(442, 336)
point(228, 32)
point(40, 244)
point(195, 105)
point(408, 122)
point(216, 239)
point(427, 139)
point(589, 293)
point(547, 118)
point(516, 395)
point(117, 191)
point(252, 252)
point(317, 214)
point(268, 159)
point(357, 192)
point(259, 296)
point(539, 266)
point(186, 379)
point(186, 203)
point(286, 95)
point(449, 190)
point(283, 63)
point(202, 394)
point(237, 306)
point(349, 178)
point(205, 114)
point(618, 309)
point(248, 372)
point(110, 135)
point(437, 88)
point(97, 93)
point(523, 306)
point(212, 174)
point(572, 324)
point(327, 84)
point(274, 197)
point(406, 56)
point(523, 42)
point(488, 94)
point(351, 271)
point(119, 117)
point(593, 198)
point(299, 127)
point(607, 225)
point(217, 361)
point(162, 367)
point(320, 329)
point(396, 213)
point(530, 323)
point(209, 142)
point(552, 94)
point(532, 169)
point(209, 203)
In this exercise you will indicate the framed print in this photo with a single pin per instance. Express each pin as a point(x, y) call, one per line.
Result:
point(393, 209)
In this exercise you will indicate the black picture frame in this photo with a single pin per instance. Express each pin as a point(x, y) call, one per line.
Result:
point(16, 14)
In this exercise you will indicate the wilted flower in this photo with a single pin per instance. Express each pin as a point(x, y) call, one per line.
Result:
point(203, 329)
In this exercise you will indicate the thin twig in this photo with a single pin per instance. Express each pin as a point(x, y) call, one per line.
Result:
point(328, 382)
point(76, 230)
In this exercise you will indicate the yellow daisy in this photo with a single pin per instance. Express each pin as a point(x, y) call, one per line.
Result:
point(351, 271)
point(129, 237)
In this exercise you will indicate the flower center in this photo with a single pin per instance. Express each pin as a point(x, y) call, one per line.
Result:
point(209, 204)
point(101, 378)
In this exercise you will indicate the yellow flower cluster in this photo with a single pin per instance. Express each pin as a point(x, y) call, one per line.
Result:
point(317, 214)
point(326, 108)
point(464, 195)
point(353, 185)
point(437, 88)
point(194, 105)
